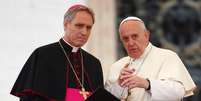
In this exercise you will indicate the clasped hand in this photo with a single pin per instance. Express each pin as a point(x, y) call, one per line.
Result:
point(128, 78)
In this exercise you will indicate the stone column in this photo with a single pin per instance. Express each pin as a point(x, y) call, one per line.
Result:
point(102, 42)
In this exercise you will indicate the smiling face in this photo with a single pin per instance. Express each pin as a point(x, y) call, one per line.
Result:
point(135, 37)
point(78, 30)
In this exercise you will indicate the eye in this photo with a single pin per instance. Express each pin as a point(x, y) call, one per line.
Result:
point(89, 28)
point(79, 25)
point(134, 36)
point(125, 39)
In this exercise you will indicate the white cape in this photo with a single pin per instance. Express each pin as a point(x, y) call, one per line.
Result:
point(159, 64)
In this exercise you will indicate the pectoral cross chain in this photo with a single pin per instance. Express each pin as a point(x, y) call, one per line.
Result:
point(84, 93)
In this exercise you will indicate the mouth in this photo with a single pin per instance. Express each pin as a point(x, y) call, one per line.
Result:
point(82, 39)
point(133, 49)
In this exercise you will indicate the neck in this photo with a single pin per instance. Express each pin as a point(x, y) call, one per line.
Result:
point(75, 49)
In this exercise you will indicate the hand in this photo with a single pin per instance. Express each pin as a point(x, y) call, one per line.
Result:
point(124, 74)
point(123, 99)
point(133, 81)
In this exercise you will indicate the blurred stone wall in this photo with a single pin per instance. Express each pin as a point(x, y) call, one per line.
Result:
point(175, 25)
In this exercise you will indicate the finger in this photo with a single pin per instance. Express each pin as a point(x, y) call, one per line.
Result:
point(126, 66)
point(127, 80)
point(133, 85)
point(122, 77)
point(137, 82)
point(126, 71)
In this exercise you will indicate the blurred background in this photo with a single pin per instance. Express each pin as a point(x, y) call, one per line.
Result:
point(175, 25)
point(28, 24)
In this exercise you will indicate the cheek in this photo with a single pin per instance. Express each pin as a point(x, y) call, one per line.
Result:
point(125, 45)
point(73, 36)
point(142, 47)
point(88, 34)
point(87, 37)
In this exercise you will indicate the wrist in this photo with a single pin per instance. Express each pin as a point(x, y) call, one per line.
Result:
point(149, 85)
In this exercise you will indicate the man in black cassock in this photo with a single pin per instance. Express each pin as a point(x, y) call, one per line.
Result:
point(54, 68)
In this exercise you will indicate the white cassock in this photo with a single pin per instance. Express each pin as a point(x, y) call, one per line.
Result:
point(169, 78)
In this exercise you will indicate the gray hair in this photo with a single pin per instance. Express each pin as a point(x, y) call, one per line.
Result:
point(72, 11)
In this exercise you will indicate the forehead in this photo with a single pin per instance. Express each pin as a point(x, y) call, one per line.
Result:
point(131, 26)
point(83, 17)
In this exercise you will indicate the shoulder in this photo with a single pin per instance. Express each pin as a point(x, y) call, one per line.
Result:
point(46, 49)
point(164, 52)
point(48, 46)
point(164, 55)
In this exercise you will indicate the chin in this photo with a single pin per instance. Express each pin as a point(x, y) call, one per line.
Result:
point(79, 45)
point(134, 56)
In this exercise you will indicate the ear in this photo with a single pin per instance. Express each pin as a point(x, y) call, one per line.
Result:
point(65, 24)
point(147, 34)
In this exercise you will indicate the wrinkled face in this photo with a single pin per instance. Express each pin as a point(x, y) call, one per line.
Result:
point(78, 30)
point(135, 37)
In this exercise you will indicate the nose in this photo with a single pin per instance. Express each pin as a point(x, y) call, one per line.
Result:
point(84, 31)
point(131, 42)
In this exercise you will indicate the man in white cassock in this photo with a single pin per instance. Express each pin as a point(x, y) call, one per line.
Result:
point(148, 73)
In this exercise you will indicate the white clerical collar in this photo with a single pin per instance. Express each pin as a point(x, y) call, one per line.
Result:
point(74, 49)
point(146, 51)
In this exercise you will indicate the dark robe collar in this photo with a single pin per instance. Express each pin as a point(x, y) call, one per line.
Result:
point(68, 48)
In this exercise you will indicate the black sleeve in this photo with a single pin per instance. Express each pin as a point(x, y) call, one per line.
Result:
point(101, 75)
point(32, 98)
point(27, 98)
point(25, 79)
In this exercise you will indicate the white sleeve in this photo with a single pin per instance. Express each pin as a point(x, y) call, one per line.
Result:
point(116, 89)
point(168, 90)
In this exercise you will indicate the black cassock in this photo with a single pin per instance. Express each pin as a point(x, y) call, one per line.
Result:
point(44, 75)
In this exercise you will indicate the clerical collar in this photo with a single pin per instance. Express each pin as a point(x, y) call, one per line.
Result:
point(74, 49)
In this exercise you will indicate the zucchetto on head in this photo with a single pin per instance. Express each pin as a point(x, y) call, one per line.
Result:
point(131, 18)
point(76, 5)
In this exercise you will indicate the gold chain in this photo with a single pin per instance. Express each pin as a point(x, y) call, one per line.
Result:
point(81, 84)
